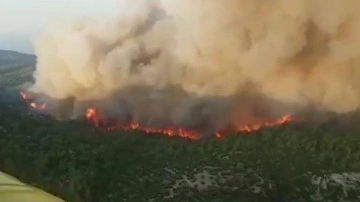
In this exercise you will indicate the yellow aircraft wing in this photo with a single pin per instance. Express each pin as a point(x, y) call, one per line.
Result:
point(13, 190)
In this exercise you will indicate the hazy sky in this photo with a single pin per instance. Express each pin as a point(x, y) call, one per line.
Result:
point(21, 20)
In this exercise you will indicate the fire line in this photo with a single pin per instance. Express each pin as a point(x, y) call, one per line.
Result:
point(92, 116)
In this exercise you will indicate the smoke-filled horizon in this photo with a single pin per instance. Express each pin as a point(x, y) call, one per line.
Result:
point(202, 63)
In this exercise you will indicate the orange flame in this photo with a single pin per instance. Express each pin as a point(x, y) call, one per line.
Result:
point(30, 103)
point(93, 117)
point(250, 128)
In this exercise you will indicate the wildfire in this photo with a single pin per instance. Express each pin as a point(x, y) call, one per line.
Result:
point(250, 128)
point(93, 117)
point(30, 103)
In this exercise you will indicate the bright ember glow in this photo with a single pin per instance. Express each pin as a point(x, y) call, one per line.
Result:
point(258, 126)
point(30, 103)
point(93, 117)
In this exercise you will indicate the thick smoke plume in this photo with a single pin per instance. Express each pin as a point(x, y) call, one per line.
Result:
point(204, 64)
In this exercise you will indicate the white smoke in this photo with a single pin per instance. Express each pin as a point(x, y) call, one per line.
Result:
point(298, 52)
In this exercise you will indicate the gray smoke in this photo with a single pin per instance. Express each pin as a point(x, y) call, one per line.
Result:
point(204, 64)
